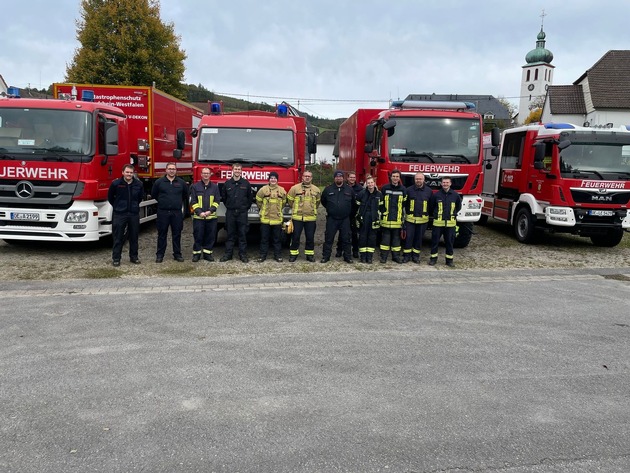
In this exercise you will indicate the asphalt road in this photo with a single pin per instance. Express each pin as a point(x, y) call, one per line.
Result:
point(511, 371)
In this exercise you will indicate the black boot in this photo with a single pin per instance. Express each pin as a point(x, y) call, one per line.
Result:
point(368, 258)
point(406, 258)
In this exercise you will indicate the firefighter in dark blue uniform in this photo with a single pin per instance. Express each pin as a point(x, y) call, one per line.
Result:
point(125, 195)
point(417, 217)
point(339, 201)
point(237, 196)
point(351, 180)
point(171, 193)
point(444, 205)
point(368, 219)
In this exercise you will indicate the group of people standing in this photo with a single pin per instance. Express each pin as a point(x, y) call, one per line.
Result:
point(355, 214)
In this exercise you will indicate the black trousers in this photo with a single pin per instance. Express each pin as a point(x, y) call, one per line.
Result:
point(334, 226)
point(367, 237)
point(236, 225)
point(205, 234)
point(413, 242)
point(173, 219)
point(309, 233)
point(449, 238)
point(120, 224)
point(390, 240)
point(273, 232)
point(354, 234)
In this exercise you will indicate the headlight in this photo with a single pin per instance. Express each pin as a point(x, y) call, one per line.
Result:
point(557, 211)
point(76, 217)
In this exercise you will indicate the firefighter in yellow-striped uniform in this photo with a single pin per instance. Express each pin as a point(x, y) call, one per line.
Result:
point(304, 199)
point(204, 199)
point(270, 200)
point(392, 213)
point(417, 217)
point(445, 203)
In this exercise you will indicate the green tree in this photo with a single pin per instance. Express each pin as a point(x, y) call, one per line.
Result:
point(124, 42)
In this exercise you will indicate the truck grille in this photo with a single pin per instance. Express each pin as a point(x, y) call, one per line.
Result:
point(43, 194)
point(589, 197)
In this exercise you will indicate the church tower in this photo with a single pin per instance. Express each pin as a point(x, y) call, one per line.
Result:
point(537, 77)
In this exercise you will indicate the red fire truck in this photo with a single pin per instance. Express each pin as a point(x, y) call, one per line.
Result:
point(435, 138)
point(260, 141)
point(59, 157)
point(561, 178)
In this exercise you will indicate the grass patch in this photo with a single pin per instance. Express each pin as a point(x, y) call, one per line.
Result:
point(176, 270)
point(103, 273)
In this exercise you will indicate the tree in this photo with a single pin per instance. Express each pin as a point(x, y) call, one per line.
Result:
point(533, 117)
point(124, 42)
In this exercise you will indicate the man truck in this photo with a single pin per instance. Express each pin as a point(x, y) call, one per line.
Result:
point(437, 138)
point(561, 178)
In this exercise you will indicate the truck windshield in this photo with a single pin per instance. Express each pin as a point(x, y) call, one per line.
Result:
point(45, 134)
point(431, 140)
point(596, 160)
point(246, 145)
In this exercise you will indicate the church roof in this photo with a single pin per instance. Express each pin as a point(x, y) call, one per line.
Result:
point(609, 80)
point(566, 99)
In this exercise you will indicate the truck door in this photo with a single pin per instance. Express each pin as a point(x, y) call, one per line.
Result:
point(510, 172)
point(541, 177)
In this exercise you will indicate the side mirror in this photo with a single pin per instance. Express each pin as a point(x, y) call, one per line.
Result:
point(564, 144)
point(311, 143)
point(181, 139)
point(369, 133)
point(495, 151)
point(390, 126)
point(488, 165)
point(539, 153)
point(495, 136)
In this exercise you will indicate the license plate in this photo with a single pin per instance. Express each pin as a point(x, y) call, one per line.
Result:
point(29, 216)
point(601, 213)
point(253, 209)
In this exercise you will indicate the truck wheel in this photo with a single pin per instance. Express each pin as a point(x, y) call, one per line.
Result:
point(609, 239)
point(525, 226)
point(463, 235)
point(483, 220)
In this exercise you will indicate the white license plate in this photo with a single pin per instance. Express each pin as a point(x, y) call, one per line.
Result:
point(28, 216)
point(253, 209)
point(601, 213)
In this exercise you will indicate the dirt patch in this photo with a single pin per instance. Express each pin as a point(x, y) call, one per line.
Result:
point(492, 247)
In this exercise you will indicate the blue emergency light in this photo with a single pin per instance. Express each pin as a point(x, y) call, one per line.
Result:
point(283, 110)
point(87, 96)
point(13, 92)
point(559, 126)
point(215, 108)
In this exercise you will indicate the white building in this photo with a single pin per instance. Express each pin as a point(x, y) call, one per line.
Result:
point(536, 79)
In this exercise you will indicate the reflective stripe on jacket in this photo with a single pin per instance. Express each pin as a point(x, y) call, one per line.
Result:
point(203, 198)
point(392, 205)
point(444, 208)
point(304, 200)
point(270, 201)
point(417, 207)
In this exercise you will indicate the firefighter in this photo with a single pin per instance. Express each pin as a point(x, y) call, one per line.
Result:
point(125, 195)
point(205, 198)
point(237, 196)
point(351, 180)
point(270, 200)
point(171, 193)
point(304, 198)
point(445, 204)
point(417, 217)
point(339, 201)
point(392, 209)
point(368, 219)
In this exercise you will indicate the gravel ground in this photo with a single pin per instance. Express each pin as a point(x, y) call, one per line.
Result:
point(492, 247)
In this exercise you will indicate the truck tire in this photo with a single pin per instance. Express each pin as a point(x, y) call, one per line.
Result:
point(463, 235)
point(609, 239)
point(483, 220)
point(525, 226)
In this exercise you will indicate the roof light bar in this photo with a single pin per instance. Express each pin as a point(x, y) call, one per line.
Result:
point(432, 105)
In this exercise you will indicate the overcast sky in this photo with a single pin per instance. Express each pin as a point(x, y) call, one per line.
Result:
point(328, 57)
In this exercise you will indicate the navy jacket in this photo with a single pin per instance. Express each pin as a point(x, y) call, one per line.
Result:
point(170, 195)
point(125, 198)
